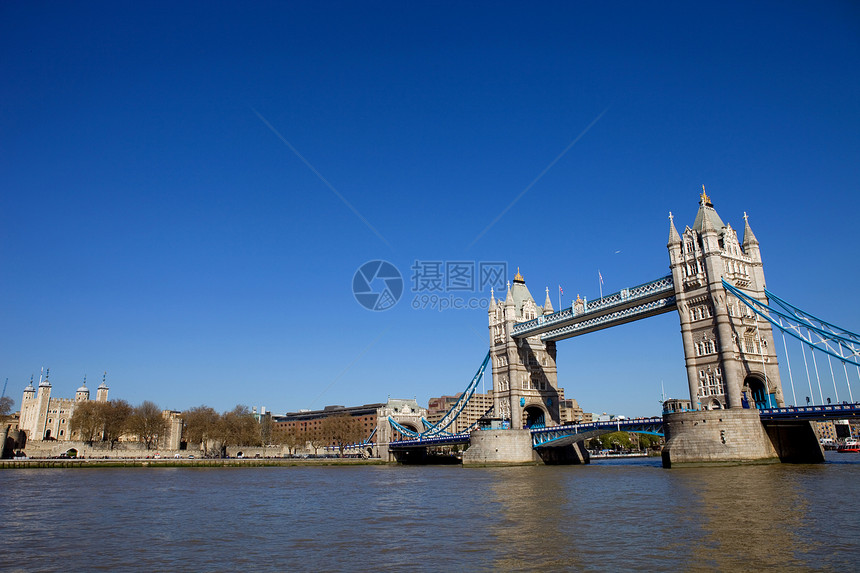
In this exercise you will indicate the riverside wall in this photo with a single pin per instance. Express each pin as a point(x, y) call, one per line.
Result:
point(136, 450)
point(183, 463)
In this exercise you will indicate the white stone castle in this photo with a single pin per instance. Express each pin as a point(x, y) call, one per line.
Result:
point(47, 418)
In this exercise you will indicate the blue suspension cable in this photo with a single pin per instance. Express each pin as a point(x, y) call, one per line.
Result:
point(435, 430)
point(845, 340)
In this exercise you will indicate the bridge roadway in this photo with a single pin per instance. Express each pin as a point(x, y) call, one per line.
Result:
point(556, 436)
point(626, 305)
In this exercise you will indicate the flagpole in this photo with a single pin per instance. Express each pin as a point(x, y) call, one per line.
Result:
point(559, 297)
point(600, 283)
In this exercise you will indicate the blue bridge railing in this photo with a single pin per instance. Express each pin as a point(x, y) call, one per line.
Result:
point(556, 436)
point(446, 440)
point(824, 412)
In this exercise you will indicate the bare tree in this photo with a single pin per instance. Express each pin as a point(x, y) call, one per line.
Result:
point(296, 439)
point(341, 431)
point(317, 441)
point(87, 421)
point(266, 428)
point(239, 427)
point(201, 425)
point(116, 420)
point(148, 423)
point(6, 404)
point(291, 437)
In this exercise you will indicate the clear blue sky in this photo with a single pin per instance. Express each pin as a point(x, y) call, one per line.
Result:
point(153, 225)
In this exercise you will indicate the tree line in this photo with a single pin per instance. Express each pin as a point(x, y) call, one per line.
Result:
point(239, 427)
point(109, 421)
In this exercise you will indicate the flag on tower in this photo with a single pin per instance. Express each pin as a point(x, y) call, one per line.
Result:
point(560, 290)
point(600, 276)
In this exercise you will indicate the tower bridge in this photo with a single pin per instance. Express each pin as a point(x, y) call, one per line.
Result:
point(738, 409)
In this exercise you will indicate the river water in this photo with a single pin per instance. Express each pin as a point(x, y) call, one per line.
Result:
point(609, 515)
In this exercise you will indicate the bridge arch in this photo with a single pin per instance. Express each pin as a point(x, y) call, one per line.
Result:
point(758, 391)
point(534, 416)
point(409, 426)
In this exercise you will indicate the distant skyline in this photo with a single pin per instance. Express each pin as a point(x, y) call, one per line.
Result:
point(187, 191)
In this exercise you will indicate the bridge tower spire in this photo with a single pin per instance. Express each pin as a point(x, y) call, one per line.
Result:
point(730, 355)
point(525, 378)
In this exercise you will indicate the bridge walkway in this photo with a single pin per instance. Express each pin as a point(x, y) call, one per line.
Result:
point(648, 299)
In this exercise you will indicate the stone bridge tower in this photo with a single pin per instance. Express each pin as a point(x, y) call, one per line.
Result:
point(729, 351)
point(525, 379)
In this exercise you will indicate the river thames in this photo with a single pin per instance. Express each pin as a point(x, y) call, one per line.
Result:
point(610, 515)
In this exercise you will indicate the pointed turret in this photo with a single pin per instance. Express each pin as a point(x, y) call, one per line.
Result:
point(749, 237)
point(510, 312)
point(707, 217)
point(547, 304)
point(706, 224)
point(30, 390)
point(674, 237)
point(492, 298)
point(523, 302)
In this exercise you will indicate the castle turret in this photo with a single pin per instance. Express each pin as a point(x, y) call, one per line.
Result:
point(43, 401)
point(674, 237)
point(102, 390)
point(82, 394)
point(29, 391)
